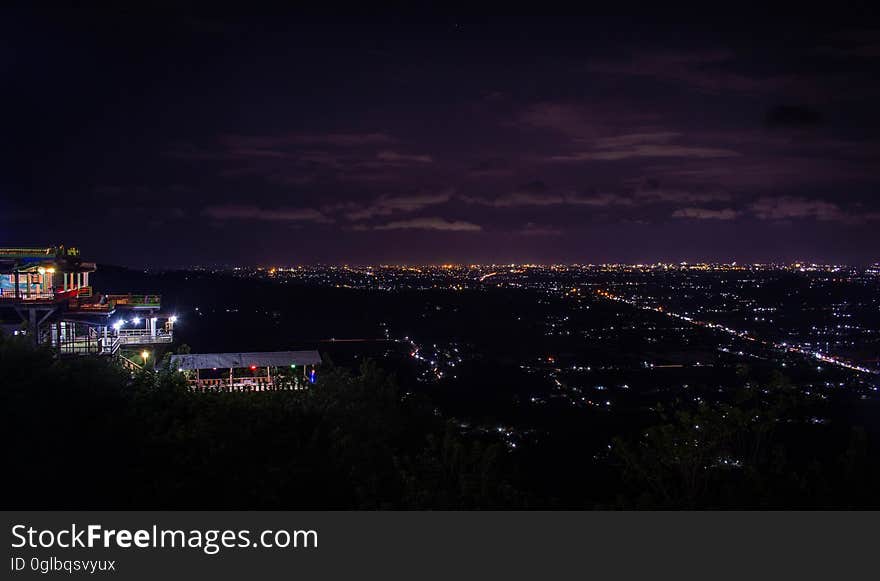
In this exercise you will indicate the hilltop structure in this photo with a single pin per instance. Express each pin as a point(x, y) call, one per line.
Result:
point(45, 294)
point(254, 371)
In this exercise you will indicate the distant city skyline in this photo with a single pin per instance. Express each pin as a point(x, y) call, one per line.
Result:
point(804, 264)
point(165, 139)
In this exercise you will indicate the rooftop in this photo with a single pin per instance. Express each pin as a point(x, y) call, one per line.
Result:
point(239, 360)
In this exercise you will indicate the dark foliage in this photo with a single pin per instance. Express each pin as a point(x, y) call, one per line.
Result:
point(82, 433)
point(762, 450)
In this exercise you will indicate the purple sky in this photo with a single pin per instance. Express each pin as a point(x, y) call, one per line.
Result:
point(174, 137)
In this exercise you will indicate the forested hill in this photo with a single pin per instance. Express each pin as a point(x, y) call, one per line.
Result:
point(82, 433)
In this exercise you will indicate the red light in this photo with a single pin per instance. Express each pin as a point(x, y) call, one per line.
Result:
point(253, 367)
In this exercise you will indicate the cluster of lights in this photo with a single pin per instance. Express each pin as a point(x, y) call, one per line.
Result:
point(137, 321)
point(742, 334)
point(311, 376)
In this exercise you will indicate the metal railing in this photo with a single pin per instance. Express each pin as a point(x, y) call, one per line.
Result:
point(109, 346)
point(26, 252)
point(11, 295)
point(46, 295)
point(143, 337)
point(91, 307)
point(129, 364)
point(246, 384)
point(89, 345)
point(132, 300)
point(37, 252)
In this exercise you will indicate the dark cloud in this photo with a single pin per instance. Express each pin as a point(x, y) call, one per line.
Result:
point(256, 213)
point(794, 207)
point(647, 150)
point(303, 158)
point(305, 139)
point(532, 229)
point(431, 223)
point(353, 138)
point(792, 116)
point(706, 213)
point(387, 205)
point(526, 198)
point(708, 70)
point(403, 158)
point(490, 168)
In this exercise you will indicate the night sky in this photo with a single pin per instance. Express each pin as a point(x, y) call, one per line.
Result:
point(189, 135)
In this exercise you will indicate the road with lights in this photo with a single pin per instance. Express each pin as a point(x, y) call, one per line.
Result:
point(817, 355)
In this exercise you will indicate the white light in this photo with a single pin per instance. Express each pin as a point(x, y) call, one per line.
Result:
point(118, 325)
point(136, 320)
point(172, 319)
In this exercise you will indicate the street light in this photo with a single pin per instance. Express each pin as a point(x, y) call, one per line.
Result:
point(146, 355)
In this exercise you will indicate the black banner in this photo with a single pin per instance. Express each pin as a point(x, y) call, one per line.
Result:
point(396, 545)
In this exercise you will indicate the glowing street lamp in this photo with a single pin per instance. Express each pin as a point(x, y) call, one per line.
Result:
point(146, 355)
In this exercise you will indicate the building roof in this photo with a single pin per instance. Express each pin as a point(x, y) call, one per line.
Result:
point(260, 359)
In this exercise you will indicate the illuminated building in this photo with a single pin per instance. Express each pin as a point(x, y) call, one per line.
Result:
point(257, 371)
point(45, 295)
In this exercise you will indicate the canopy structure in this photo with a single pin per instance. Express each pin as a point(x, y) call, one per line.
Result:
point(195, 361)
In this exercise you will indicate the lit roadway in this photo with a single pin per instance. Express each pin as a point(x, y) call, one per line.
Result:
point(823, 357)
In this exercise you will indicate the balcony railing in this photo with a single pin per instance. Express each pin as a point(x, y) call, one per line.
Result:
point(130, 300)
point(245, 384)
point(91, 307)
point(26, 252)
point(89, 345)
point(10, 295)
point(143, 337)
point(47, 295)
